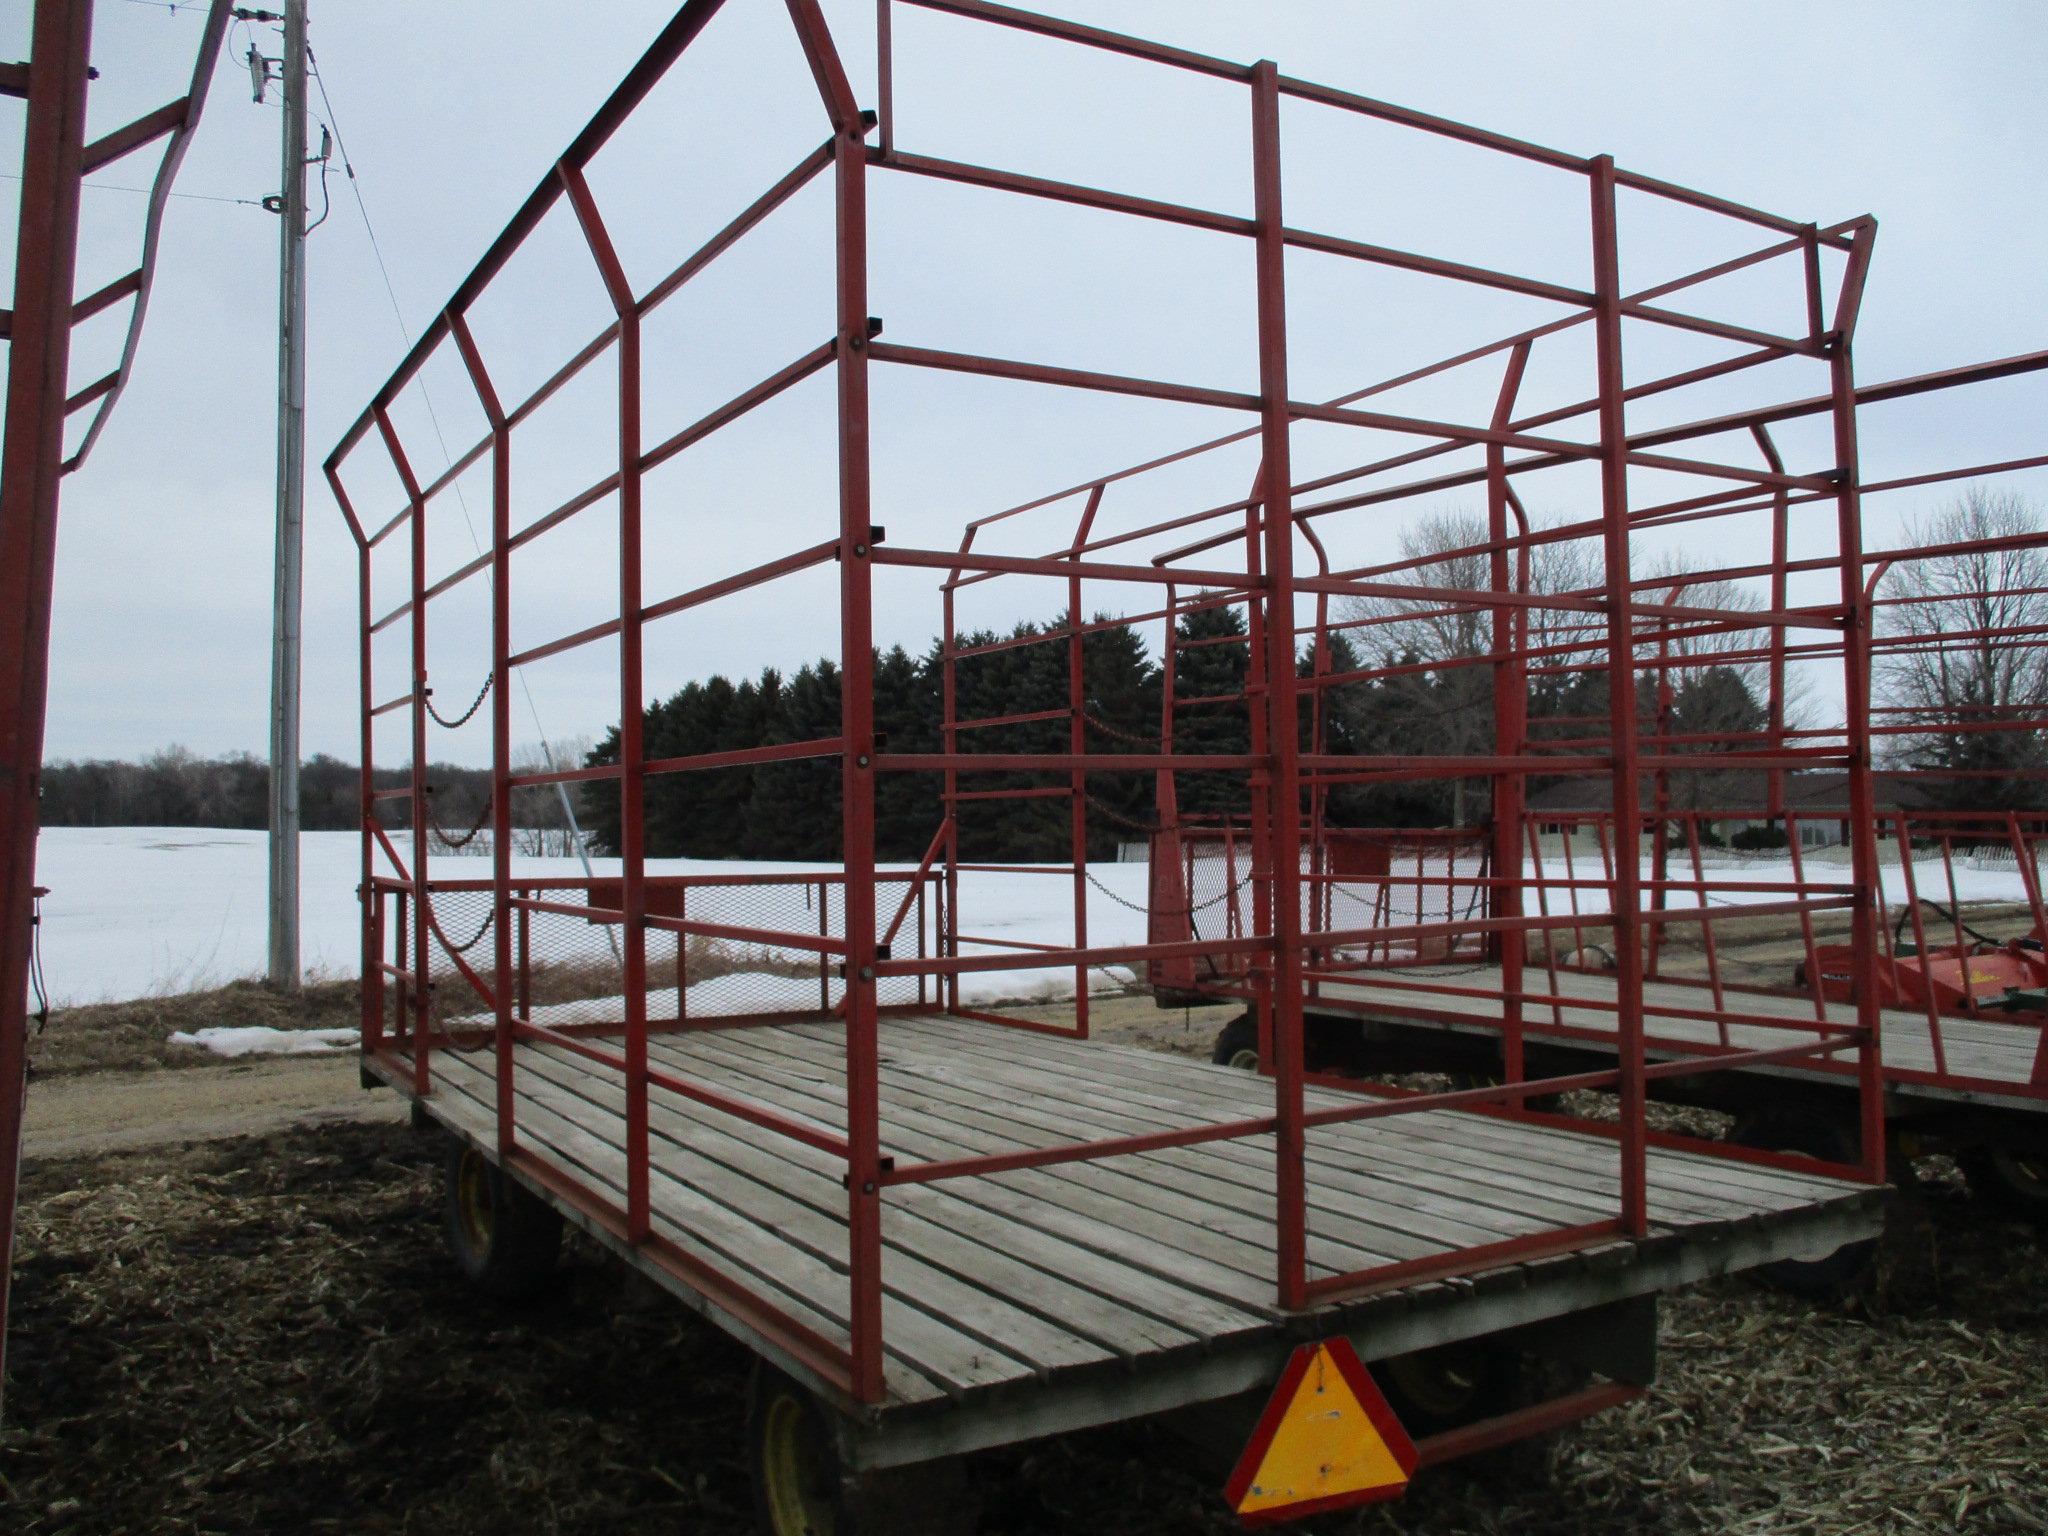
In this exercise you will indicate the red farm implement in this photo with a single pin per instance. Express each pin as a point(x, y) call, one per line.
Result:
point(43, 445)
point(1734, 828)
point(945, 1224)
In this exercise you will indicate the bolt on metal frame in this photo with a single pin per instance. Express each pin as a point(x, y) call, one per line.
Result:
point(1278, 940)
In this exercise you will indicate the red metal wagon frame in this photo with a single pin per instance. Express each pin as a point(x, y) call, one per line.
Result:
point(1244, 551)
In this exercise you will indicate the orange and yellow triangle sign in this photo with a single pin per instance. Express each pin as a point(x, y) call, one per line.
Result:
point(1327, 1440)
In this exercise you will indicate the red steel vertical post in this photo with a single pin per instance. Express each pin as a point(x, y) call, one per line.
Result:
point(373, 948)
point(949, 741)
point(501, 719)
point(1510, 669)
point(1865, 872)
point(1625, 870)
point(632, 700)
point(857, 715)
point(1077, 743)
point(38, 363)
point(1283, 799)
point(370, 999)
point(420, 964)
point(1781, 547)
point(1259, 971)
point(857, 695)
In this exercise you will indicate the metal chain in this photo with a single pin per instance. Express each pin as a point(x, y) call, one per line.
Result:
point(476, 938)
point(462, 719)
point(1117, 732)
point(1228, 892)
point(452, 843)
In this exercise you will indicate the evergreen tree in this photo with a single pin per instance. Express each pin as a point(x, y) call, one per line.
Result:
point(798, 800)
point(1210, 668)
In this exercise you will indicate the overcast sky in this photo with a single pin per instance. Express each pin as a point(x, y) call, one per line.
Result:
point(1928, 117)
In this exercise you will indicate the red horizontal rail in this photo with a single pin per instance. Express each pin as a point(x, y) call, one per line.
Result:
point(739, 1109)
point(1074, 1152)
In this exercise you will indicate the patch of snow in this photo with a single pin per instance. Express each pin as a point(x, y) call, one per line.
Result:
point(262, 1040)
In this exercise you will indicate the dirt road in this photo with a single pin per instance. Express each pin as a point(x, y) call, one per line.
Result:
point(123, 1111)
point(86, 1113)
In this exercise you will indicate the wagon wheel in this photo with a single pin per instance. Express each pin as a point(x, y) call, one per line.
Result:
point(1237, 1044)
point(503, 1239)
point(796, 1461)
point(1448, 1387)
point(2011, 1183)
point(802, 1486)
point(1778, 1128)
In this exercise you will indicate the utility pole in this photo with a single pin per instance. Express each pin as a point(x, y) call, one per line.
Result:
point(291, 490)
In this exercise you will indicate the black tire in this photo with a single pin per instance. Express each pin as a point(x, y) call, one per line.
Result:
point(1237, 1045)
point(504, 1240)
point(1779, 1128)
point(2014, 1184)
point(1448, 1387)
point(802, 1488)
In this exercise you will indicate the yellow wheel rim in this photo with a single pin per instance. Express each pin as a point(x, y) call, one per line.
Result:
point(795, 1470)
point(473, 1200)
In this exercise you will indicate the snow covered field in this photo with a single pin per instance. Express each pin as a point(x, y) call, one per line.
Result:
point(135, 911)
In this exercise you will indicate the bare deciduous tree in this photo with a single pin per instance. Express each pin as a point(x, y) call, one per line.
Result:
point(1952, 661)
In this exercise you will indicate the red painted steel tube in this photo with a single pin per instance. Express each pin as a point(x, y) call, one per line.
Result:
point(1077, 782)
point(689, 20)
point(1867, 874)
point(857, 704)
point(46, 251)
point(779, 938)
point(423, 994)
point(783, 752)
point(184, 118)
point(1508, 639)
point(1074, 1152)
point(502, 978)
point(773, 1323)
point(1093, 37)
point(1536, 1419)
point(741, 1109)
point(632, 695)
point(1283, 793)
point(1465, 1261)
point(951, 965)
point(1627, 899)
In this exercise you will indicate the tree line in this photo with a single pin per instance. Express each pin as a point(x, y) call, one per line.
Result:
point(790, 808)
point(179, 788)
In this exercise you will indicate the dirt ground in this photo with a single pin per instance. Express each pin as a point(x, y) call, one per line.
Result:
point(233, 1315)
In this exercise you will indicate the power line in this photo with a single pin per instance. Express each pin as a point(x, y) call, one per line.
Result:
point(111, 186)
point(333, 124)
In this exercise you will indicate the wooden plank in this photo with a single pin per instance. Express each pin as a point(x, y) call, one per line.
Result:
point(1044, 1301)
point(801, 1286)
point(1974, 1048)
point(1238, 1174)
point(1244, 1094)
point(982, 1319)
point(1405, 1191)
point(1165, 1302)
point(1237, 1266)
point(955, 1360)
point(1685, 1187)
